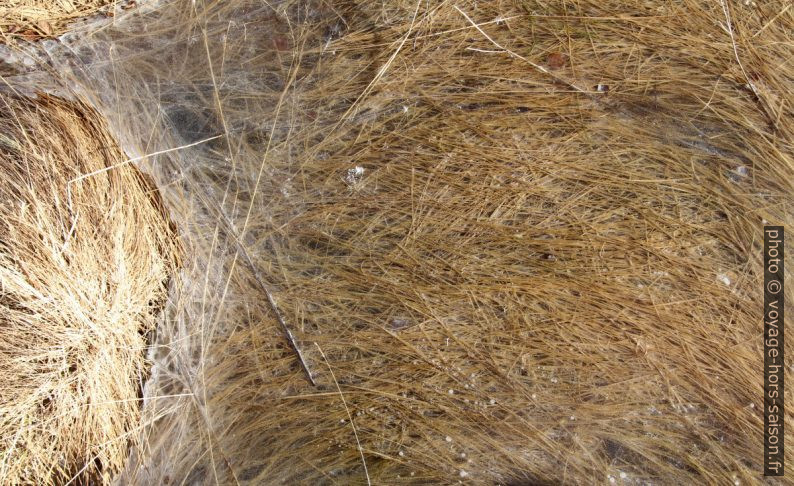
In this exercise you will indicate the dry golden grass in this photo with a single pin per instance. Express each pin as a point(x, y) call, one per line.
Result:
point(83, 268)
point(498, 270)
point(34, 19)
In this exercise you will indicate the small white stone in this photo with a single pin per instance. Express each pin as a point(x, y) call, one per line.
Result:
point(354, 175)
point(492, 401)
point(451, 391)
point(534, 396)
point(401, 454)
point(573, 417)
point(448, 439)
point(724, 279)
point(611, 479)
point(623, 475)
point(463, 473)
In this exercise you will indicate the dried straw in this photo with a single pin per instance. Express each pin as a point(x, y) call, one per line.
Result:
point(83, 268)
point(35, 19)
point(524, 236)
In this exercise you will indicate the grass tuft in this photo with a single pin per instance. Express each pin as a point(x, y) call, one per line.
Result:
point(83, 272)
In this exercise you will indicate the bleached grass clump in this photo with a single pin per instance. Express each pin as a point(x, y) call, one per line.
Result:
point(83, 268)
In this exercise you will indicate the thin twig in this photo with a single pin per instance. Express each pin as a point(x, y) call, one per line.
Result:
point(241, 250)
point(135, 159)
point(125, 162)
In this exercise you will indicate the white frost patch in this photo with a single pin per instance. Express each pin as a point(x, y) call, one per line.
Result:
point(724, 279)
point(463, 473)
